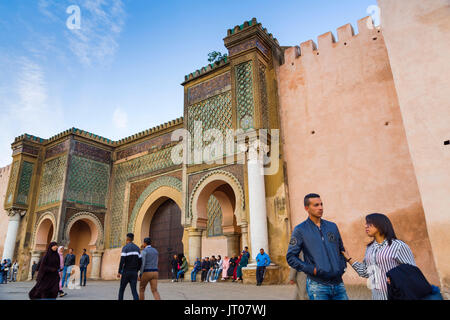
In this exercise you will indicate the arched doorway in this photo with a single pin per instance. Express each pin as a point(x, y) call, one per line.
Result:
point(80, 238)
point(166, 233)
point(44, 234)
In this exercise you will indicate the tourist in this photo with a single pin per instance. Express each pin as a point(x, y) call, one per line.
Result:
point(321, 244)
point(383, 253)
point(4, 272)
point(174, 264)
point(225, 266)
point(232, 266)
point(47, 281)
point(61, 268)
point(195, 270)
point(130, 264)
point(149, 271)
point(33, 269)
point(205, 268)
point(299, 279)
point(84, 261)
point(242, 264)
point(212, 268)
point(247, 253)
point(220, 267)
point(262, 261)
point(15, 270)
point(237, 261)
point(183, 267)
point(69, 262)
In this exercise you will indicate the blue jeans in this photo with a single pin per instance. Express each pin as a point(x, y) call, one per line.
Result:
point(66, 271)
point(318, 291)
point(83, 273)
point(194, 274)
point(179, 273)
point(216, 276)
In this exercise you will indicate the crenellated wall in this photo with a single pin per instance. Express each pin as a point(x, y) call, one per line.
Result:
point(344, 139)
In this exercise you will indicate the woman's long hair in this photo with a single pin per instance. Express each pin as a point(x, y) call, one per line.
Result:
point(383, 224)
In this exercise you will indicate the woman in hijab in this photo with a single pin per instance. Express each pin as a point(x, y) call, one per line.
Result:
point(242, 264)
point(225, 266)
point(61, 267)
point(230, 271)
point(237, 261)
point(47, 281)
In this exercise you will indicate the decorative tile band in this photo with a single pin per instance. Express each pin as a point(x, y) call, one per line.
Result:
point(209, 88)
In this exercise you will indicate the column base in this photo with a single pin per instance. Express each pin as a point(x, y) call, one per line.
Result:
point(272, 276)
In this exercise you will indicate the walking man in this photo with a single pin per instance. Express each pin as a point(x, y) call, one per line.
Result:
point(130, 264)
point(84, 261)
point(321, 244)
point(69, 262)
point(262, 261)
point(149, 271)
point(15, 270)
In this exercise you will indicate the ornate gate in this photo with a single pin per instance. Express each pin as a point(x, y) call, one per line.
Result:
point(166, 233)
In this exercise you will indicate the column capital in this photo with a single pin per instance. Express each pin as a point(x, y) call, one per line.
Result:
point(13, 212)
point(97, 253)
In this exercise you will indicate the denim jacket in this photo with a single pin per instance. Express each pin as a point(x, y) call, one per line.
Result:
point(321, 249)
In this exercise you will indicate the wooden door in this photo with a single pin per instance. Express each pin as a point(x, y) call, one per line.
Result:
point(166, 233)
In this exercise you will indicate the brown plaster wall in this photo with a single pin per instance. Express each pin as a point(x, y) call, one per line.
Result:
point(417, 37)
point(343, 137)
point(4, 178)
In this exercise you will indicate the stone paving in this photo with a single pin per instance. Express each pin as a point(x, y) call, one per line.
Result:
point(108, 290)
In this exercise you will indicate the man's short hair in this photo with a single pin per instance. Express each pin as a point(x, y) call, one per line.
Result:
point(147, 241)
point(309, 196)
point(84, 249)
point(130, 236)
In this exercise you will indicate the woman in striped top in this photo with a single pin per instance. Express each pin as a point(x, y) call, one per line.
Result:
point(384, 253)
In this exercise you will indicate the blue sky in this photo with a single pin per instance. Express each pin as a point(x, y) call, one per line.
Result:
point(120, 73)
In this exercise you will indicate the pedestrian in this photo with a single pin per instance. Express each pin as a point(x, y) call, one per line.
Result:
point(383, 253)
point(69, 262)
point(130, 264)
point(4, 272)
point(219, 268)
point(195, 270)
point(33, 269)
point(262, 261)
point(242, 264)
point(232, 266)
point(47, 281)
point(174, 264)
point(212, 269)
point(183, 267)
point(225, 266)
point(15, 271)
point(84, 261)
point(299, 279)
point(321, 244)
point(149, 271)
point(205, 268)
point(9, 269)
point(61, 268)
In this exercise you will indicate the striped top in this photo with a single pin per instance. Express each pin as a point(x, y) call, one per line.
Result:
point(379, 259)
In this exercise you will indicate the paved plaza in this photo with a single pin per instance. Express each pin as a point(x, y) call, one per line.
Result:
point(108, 290)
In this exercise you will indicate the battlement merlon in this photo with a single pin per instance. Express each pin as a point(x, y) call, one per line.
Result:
point(252, 35)
point(327, 40)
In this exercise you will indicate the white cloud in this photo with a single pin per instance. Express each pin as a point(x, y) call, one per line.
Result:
point(120, 118)
point(24, 104)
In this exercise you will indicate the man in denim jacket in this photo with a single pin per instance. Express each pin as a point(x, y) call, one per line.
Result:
point(321, 244)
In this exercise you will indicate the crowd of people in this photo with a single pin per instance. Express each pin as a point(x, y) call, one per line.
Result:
point(8, 271)
point(215, 268)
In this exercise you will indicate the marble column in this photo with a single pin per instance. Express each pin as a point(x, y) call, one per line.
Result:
point(195, 245)
point(96, 265)
point(11, 234)
point(257, 208)
point(35, 256)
